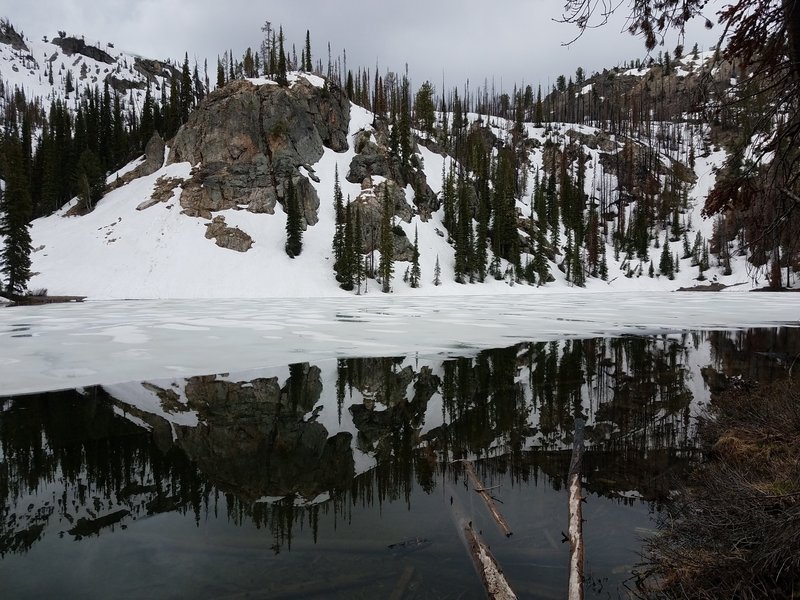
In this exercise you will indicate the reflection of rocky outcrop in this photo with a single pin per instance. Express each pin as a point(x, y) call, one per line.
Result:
point(252, 440)
point(248, 140)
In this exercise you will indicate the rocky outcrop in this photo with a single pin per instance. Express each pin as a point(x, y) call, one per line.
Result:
point(163, 190)
point(247, 140)
point(369, 203)
point(153, 69)
point(232, 238)
point(10, 37)
point(71, 45)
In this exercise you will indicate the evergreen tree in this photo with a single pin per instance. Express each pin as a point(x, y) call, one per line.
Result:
point(281, 77)
point(416, 273)
point(339, 233)
point(106, 137)
point(308, 66)
point(424, 109)
point(90, 178)
point(346, 263)
point(15, 216)
point(603, 264)
point(665, 265)
point(186, 95)
point(220, 74)
point(437, 273)
point(538, 112)
point(358, 253)
point(294, 222)
point(386, 265)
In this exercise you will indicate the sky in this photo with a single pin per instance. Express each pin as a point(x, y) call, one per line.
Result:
point(502, 42)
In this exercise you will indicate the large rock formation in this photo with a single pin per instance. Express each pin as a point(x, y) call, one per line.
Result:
point(248, 140)
point(71, 45)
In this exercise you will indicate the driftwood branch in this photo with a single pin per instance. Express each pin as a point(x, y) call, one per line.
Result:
point(482, 491)
point(576, 516)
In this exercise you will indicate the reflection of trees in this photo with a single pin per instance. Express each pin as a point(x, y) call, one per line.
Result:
point(751, 354)
point(260, 453)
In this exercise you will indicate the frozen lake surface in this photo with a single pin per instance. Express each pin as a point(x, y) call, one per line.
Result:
point(73, 345)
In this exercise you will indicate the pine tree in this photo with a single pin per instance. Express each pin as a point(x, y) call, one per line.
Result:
point(345, 264)
point(603, 264)
point(416, 274)
point(186, 95)
point(220, 74)
point(358, 254)
point(15, 216)
point(294, 222)
point(437, 273)
point(339, 216)
point(308, 66)
point(281, 77)
point(90, 179)
point(386, 265)
point(665, 265)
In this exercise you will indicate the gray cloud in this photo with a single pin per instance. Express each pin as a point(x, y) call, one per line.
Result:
point(506, 41)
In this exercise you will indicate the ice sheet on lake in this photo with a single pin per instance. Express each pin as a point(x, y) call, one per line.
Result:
point(73, 345)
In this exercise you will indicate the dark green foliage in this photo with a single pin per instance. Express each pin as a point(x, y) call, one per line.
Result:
point(505, 239)
point(294, 222)
point(665, 265)
point(416, 273)
point(308, 66)
point(386, 264)
point(281, 76)
point(437, 273)
point(90, 179)
point(424, 108)
point(220, 74)
point(186, 96)
point(15, 217)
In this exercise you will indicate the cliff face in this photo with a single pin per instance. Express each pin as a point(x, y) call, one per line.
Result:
point(247, 140)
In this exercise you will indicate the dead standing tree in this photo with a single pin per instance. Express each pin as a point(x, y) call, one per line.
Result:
point(762, 37)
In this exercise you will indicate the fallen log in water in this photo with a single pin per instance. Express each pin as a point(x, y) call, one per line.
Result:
point(494, 581)
point(484, 493)
point(576, 516)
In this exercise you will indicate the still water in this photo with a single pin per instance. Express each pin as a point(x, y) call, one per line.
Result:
point(342, 479)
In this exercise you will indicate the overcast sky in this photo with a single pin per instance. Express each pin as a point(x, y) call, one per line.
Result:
point(506, 41)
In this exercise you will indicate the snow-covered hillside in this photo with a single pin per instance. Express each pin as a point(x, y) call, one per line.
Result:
point(123, 251)
point(62, 67)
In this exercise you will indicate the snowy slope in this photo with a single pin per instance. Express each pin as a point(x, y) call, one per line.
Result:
point(118, 251)
point(28, 71)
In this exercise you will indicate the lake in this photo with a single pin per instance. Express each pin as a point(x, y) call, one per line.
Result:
point(322, 456)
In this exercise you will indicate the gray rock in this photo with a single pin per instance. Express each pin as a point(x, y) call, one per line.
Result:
point(232, 238)
point(250, 139)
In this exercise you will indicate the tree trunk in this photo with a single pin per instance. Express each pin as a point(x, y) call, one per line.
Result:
point(791, 16)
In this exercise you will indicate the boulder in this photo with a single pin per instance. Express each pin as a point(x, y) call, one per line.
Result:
point(232, 238)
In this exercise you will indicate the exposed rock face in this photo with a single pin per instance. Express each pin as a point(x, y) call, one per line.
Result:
point(374, 158)
point(163, 190)
point(71, 45)
point(9, 36)
point(370, 204)
point(232, 238)
point(155, 68)
point(248, 140)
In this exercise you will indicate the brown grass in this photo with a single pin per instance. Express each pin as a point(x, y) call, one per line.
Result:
point(735, 531)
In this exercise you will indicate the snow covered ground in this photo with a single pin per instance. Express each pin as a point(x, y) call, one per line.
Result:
point(74, 345)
